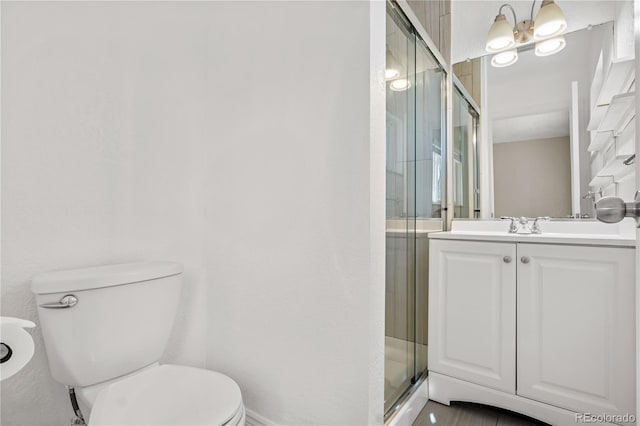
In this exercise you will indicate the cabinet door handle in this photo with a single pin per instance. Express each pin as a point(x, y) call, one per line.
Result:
point(525, 259)
point(506, 259)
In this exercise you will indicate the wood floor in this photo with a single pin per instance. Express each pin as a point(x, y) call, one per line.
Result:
point(468, 414)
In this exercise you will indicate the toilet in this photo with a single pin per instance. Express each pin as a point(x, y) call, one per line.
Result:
point(105, 329)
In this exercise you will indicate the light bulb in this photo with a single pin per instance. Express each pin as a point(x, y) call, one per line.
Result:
point(400, 85)
point(391, 73)
point(504, 59)
point(550, 46)
point(549, 21)
point(500, 35)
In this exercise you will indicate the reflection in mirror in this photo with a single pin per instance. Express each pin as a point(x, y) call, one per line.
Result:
point(530, 105)
point(557, 123)
point(464, 173)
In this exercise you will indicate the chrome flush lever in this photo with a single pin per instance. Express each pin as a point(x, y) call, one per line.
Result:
point(68, 301)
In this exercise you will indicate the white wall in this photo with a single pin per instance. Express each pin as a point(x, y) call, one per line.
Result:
point(624, 41)
point(98, 163)
point(234, 138)
point(288, 203)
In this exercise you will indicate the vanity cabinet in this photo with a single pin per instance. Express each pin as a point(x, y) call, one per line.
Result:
point(547, 324)
point(472, 312)
point(576, 339)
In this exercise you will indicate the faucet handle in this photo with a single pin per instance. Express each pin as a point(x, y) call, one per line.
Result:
point(513, 228)
point(535, 228)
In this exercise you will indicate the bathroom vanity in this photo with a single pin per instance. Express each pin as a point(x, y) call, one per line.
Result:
point(543, 325)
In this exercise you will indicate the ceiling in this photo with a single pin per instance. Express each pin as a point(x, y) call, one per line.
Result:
point(471, 19)
point(531, 127)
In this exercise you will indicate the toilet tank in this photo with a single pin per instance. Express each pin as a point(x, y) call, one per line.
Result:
point(120, 323)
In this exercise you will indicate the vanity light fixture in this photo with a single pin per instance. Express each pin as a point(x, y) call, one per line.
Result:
point(504, 59)
point(550, 46)
point(546, 30)
point(391, 74)
point(400, 85)
point(501, 35)
point(549, 21)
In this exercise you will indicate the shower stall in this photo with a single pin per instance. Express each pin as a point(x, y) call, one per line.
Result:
point(416, 163)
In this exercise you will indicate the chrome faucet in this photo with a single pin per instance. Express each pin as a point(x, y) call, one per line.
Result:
point(521, 223)
point(513, 228)
point(590, 195)
point(535, 228)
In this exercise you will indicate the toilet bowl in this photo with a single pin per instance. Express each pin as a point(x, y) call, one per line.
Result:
point(167, 395)
point(106, 327)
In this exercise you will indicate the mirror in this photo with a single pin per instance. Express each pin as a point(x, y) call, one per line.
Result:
point(553, 138)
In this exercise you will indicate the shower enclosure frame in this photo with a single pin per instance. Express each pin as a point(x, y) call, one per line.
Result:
point(423, 41)
point(451, 85)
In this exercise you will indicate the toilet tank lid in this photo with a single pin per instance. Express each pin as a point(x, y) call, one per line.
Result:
point(102, 276)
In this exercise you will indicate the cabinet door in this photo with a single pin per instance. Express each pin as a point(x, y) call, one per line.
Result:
point(576, 333)
point(472, 312)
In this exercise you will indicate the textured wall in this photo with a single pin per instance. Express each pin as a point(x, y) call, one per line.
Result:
point(193, 132)
point(289, 193)
point(101, 117)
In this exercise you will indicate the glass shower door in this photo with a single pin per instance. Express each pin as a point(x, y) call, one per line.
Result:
point(415, 198)
point(400, 209)
point(430, 183)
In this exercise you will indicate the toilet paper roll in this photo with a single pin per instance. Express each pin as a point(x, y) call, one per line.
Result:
point(16, 345)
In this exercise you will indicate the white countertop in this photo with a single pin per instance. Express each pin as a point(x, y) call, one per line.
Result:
point(574, 232)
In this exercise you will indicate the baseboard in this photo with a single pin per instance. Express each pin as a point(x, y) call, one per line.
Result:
point(255, 419)
point(408, 413)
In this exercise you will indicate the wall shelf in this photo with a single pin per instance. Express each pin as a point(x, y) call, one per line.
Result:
point(607, 165)
point(618, 114)
point(599, 140)
point(625, 141)
point(612, 122)
point(596, 163)
point(597, 114)
point(619, 78)
point(601, 181)
point(617, 168)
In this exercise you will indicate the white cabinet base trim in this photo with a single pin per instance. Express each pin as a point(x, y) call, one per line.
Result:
point(444, 389)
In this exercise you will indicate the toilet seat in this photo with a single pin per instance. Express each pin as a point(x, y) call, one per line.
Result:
point(170, 395)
